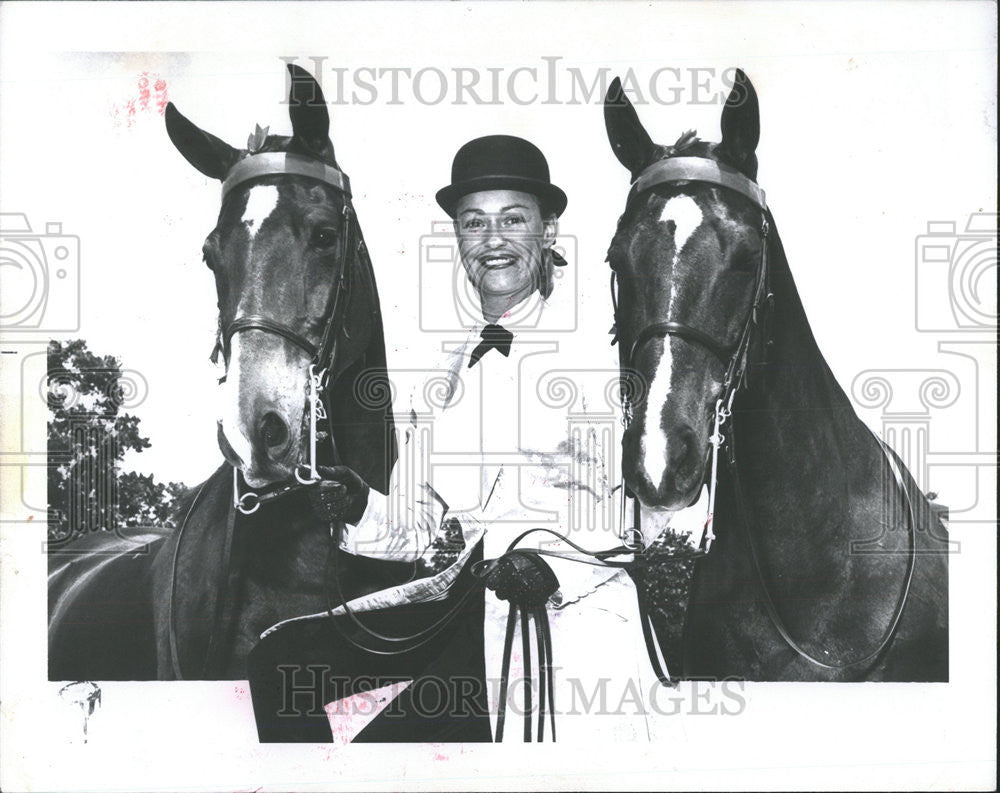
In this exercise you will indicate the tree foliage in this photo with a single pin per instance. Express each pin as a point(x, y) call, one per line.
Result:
point(88, 437)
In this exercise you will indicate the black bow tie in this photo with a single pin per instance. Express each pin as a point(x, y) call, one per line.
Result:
point(494, 337)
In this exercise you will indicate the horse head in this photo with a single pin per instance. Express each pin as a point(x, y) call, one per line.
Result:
point(685, 256)
point(297, 298)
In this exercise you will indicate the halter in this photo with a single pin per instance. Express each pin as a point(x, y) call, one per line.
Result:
point(734, 356)
point(323, 355)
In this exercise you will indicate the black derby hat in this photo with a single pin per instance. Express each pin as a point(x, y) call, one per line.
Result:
point(501, 162)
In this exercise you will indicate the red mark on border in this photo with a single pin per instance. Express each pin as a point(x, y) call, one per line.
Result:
point(150, 99)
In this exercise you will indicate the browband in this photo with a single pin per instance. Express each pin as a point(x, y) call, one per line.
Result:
point(698, 169)
point(281, 162)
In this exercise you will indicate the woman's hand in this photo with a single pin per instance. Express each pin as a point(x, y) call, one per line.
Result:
point(340, 494)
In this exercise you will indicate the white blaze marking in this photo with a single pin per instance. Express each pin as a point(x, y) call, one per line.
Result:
point(229, 403)
point(654, 439)
point(260, 204)
point(687, 217)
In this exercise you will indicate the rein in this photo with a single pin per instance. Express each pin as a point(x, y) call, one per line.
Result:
point(735, 358)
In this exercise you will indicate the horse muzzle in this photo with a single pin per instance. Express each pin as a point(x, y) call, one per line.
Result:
point(260, 429)
point(671, 481)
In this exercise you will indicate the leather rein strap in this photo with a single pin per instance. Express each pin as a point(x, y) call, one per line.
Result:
point(772, 610)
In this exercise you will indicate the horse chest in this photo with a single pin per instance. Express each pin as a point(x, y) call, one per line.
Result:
point(283, 579)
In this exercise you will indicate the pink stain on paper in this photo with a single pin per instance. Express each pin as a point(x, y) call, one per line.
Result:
point(351, 715)
point(150, 98)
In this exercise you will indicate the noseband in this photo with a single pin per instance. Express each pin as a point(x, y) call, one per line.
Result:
point(323, 355)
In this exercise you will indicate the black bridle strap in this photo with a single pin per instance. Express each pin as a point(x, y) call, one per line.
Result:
point(397, 645)
point(223, 614)
point(508, 645)
point(518, 617)
point(543, 624)
point(685, 332)
point(526, 657)
point(544, 667)
point(732, 357)
point(327, 350)
point(222, 608)
point(321, 355)
point(257, 322)
point(772, 611)
point(281, 164)
point(171, 632)
point(672, 169)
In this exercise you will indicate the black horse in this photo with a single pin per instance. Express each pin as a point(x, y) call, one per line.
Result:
point(306, 404)
point(830, 564)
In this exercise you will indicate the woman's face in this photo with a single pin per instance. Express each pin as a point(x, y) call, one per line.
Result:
point(502, 238)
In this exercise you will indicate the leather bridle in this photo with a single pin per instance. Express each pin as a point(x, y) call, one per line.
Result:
point(322, 359)
point(735, 359)
point(322, 356)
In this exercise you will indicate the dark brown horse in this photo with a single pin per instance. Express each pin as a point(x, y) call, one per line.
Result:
point(296, 296)
point(298, 316)
point(709, 321)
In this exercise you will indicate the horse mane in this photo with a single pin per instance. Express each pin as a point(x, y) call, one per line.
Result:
point(682, 144)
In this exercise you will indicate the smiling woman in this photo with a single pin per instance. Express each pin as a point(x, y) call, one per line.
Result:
point(505, 210)
point(503, 241)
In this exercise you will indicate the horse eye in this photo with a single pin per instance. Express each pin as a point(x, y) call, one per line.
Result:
point(744, 261)
point(323, 238)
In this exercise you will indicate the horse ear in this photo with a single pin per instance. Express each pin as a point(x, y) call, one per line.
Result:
point(308, 112)
point(741, 125)
point(204, 151)
point(629, 139)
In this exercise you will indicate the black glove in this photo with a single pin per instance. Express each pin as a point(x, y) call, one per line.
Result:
point(340, 495)
point(523, 578)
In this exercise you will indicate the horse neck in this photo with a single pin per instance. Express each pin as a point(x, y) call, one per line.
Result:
point(795, 418)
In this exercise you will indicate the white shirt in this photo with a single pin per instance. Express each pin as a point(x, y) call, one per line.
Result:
point(518, 442)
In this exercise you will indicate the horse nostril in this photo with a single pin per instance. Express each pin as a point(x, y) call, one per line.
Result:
point(273, 430)
point(682, 453)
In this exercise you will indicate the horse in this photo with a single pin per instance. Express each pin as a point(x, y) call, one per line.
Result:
point(300, 334)
point(298, 304)
point(253, 582)
point(821, 558)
